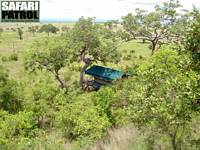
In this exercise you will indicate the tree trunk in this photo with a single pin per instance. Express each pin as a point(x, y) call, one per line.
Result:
point(173, 140)
point(20, 37)
point(83, 69)
point(153, 47)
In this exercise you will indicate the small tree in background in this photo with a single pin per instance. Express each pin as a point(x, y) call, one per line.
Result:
point(49, 29)
point(65, 28)
point(154, 26)
point(32, 29)
point(20, 33)
point(50, 54)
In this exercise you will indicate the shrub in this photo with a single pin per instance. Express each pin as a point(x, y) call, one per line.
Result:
point(141, 57)
point(163, 94)
point(14, 126)
point(81, 119)
point(107, 103)
point(132, 51)
point(4, 58)
point(13, 57)
point(10, 96)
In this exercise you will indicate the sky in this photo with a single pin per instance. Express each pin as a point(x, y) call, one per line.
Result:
point(61, 10)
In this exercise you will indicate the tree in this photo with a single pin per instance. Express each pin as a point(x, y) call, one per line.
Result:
point(65, 29)
point(163, 95)
point(179, 29)
point(90, 45)
point(10, 99)
point(154, 26)
point(32, 29)
point(131, 24)
point(49, 29)
point(44, 100)
point(20, 33)
point(192, 43)
point(193, 37)
point(51, 54)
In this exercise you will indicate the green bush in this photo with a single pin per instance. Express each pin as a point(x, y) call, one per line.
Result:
point(107, 103)
point(13, 127)
point(132, 51)
point(141, 57)
point(4, 59)
point(103, 100)
point(163, 95)
point(81, 119)
point(13, 57)
point(10, 96)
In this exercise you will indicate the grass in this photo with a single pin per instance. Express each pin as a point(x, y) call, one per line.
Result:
point(136, 47)
point(124, 138)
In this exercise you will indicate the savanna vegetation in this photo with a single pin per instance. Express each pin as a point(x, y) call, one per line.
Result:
point(44, 103)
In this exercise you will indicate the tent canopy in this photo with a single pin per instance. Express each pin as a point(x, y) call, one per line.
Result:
point(104, 73)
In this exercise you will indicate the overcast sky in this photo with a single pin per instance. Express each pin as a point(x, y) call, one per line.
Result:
point(101, 9)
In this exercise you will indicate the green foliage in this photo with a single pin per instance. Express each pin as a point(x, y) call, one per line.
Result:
point(49, 28)
point(44, 100)
point(10, 98)
point(14, 126)
point(65, 29)
point(130, 24)
point(51, 54)
point(155, 27)
point(4, 58)
point(86, 40)
point(193, 37)
point(104, 99)
point(91, 43)
point(192, 43)
point(81, 119)
point(20, 33)
point(125, 36)
point(13, 57)
point(163, 94)
point(33, 29)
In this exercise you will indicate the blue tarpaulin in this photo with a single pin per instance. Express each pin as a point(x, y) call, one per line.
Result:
point(104, 73)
